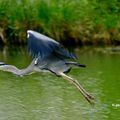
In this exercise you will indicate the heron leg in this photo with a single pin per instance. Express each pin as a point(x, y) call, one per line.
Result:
point(90, 96)
point(87, 96)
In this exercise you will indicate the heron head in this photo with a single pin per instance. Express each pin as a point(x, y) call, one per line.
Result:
point(2, 63)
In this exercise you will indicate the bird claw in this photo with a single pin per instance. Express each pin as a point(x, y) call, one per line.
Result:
point(90, 98)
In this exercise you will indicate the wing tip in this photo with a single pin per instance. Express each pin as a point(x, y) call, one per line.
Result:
point(29, 31)
point(72, 55)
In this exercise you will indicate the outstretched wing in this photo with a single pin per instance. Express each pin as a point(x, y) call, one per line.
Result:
point(43, 46)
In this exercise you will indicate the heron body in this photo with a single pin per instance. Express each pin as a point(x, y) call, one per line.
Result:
point(48, 55)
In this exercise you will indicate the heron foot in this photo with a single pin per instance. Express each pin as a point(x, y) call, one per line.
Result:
point(90, 98)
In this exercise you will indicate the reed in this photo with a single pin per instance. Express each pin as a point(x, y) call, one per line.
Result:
point(78, 21)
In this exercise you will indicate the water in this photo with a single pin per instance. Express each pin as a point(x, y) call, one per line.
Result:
point(42, 96)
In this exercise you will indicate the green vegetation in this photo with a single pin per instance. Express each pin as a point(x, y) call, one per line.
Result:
point(78, 21)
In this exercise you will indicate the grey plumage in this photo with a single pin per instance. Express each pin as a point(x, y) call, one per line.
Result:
point(48, 55)
point(43, 46)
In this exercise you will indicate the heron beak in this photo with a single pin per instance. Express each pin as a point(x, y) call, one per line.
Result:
point(2, 63)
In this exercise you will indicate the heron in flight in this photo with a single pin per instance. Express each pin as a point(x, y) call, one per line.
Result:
point(48, 55)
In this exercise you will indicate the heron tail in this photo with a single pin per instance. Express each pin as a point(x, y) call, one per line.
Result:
point(75, 64)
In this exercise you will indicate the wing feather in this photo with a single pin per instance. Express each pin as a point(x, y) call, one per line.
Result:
point(43, 46)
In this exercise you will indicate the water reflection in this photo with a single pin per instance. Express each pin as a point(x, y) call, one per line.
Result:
point(42, 96)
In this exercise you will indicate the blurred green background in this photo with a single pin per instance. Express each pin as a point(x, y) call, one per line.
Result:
point(75, 23)
point(81, 22)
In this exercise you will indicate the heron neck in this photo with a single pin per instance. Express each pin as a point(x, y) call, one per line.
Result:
point(15, 70)
point(26, 70)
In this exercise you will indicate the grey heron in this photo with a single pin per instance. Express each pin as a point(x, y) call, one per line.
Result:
point(48, 55)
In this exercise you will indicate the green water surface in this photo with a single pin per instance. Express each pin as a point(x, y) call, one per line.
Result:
point(43, 96)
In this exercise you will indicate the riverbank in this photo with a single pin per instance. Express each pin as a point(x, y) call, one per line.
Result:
point(79, 23)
